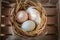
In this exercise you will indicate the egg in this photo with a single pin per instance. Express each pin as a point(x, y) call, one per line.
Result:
point(28, 25)
point(34, 14)
point(21, 16)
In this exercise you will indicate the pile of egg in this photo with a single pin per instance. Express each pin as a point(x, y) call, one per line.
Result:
point(29, 18)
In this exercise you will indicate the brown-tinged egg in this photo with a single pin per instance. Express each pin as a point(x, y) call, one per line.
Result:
point(21, 16)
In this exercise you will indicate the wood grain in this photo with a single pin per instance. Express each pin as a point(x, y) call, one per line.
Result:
point(5, 30)
point(51, 30)
point(51, 11)
point(51, 20)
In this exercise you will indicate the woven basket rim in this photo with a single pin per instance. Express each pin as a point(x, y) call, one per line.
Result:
point(39, 30)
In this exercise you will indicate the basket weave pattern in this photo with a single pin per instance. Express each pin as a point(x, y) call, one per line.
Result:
point(23, 5)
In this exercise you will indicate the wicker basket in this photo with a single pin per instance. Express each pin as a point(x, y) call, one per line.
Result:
point(23, 5)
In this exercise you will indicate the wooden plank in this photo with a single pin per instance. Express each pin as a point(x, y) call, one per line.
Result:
point(5, 11)
point(2, 34)
point(53, 2)
point(41, 1)
point(5, 30)
point(51, 20)
point(58, 8)
point(5, 20)
point(3, 37)
point(11, 1)
point(0, 16)
point(0, 11)
point(51, 30)
point(48, 37)
point(48, 4)
point(49, 1)
point(51, 11)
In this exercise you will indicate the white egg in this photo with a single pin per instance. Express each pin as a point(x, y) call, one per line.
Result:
point(28, 25)
point(22, 16)
point(34, 14)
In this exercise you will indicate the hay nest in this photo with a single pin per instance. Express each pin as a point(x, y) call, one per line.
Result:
point(23, 5)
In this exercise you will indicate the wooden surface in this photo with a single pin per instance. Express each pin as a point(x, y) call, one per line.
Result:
point(58, 8)
point(51, 27)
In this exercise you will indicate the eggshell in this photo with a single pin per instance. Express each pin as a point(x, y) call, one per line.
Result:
point(28, 25)
point(21, 16)
point(34, 14)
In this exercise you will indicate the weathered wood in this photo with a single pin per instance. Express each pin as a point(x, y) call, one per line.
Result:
point(5, 11)
point(5, 20)
point(51, 20)
point(48, 37)
point(53, 2)
point(48, 4)
point(5, 30)
point(51, 11)
point(51, 30)
point(58, 6)
point(44, 1)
